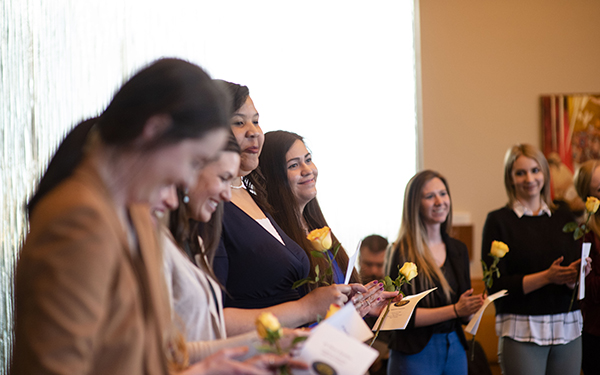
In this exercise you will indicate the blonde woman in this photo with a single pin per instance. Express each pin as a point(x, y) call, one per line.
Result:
point(433, 342)
point(538, 333)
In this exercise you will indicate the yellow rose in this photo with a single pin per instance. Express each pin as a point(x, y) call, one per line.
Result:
point(333, 308)
point(409, 271)
point(266, 324)
point(499, 249)
point(592, 204)
point(320, 239)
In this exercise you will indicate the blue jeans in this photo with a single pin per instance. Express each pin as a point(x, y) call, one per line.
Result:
point(443, 355)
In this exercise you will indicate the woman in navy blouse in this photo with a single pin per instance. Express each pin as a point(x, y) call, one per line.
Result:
point(256, 261)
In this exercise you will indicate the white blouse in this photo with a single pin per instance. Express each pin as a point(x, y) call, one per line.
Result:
point(197, 311)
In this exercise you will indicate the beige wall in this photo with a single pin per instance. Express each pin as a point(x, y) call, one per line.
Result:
point(484, 65)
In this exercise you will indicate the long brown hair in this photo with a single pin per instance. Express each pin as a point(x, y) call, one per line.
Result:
point(411, 244)
point(186, 230)
point(284, 205)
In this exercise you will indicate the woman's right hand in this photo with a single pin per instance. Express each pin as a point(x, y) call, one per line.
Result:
point(318, 300)
point(468, 304)
point(560, 275)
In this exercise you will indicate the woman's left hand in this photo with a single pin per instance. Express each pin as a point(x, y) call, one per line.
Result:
point(378, 306)
point(575, 265)
point(373, 300)
point(588, 266)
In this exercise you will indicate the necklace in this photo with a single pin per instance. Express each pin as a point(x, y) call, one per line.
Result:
point(241, 186)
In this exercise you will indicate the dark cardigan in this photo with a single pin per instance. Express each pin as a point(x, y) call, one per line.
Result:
point(534, 242)
point(412, 340)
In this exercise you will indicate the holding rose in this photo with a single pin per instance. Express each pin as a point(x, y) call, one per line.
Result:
point(433, 342)
point(291, 183)
point(539, 272)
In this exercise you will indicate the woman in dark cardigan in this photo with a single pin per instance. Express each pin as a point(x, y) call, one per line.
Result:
point(538, 332)
point(433, 342)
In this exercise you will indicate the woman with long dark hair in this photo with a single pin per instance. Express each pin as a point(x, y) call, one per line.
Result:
point(291, 177)
point(433, 342)
point(256, 261)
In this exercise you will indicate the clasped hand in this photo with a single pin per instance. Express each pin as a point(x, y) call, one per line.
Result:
point(567, 275)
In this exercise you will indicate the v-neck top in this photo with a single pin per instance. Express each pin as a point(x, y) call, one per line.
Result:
point(256, 269)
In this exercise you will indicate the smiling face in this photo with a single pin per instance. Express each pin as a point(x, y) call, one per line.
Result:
point(214, 186)
point(176, 164)
point(527, 178)
point(301, 173)
point(249, 135)
point(435, 202)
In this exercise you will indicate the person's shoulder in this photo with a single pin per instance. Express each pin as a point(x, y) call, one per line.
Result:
point(502, 212)
point(79, 214)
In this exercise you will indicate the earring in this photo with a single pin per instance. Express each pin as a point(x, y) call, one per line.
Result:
point(186, 198)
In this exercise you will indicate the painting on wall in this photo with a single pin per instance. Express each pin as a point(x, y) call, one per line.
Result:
point(571, 135)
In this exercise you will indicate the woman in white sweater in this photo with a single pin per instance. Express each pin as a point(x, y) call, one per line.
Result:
point(194, 292)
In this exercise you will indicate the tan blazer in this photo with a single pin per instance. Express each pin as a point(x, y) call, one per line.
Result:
point(85, 302)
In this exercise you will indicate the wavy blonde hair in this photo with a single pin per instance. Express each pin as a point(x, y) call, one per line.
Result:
point(412, 238)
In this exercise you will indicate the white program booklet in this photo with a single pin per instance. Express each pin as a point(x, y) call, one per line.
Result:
point(585, 252)
point(348, 321)
point(330, 351)
point(351, 263)
point(473, 325)
point(400, 312)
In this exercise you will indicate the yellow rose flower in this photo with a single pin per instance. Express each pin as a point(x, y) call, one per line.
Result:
point(267, 324)
point(409, 270)
point(592, 204)
point(320, 239)
point(333, 308)
point(499, 249)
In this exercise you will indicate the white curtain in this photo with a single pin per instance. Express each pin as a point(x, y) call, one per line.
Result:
point(339, 73)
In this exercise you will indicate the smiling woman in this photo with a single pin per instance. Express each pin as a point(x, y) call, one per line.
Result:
point(291, 177)
point(539, 272)
point(434, 342)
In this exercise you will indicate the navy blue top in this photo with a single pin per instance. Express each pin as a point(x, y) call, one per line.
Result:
point(256, 269)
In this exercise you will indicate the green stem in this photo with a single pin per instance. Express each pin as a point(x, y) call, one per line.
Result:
point(283, 370)
point(575, 289)
point(387, 310)
point(473, 348)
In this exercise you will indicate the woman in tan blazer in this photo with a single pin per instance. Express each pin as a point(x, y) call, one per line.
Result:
point(90, 296)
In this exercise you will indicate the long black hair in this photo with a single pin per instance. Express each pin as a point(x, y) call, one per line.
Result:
point(186, 230)
point(284, 205)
